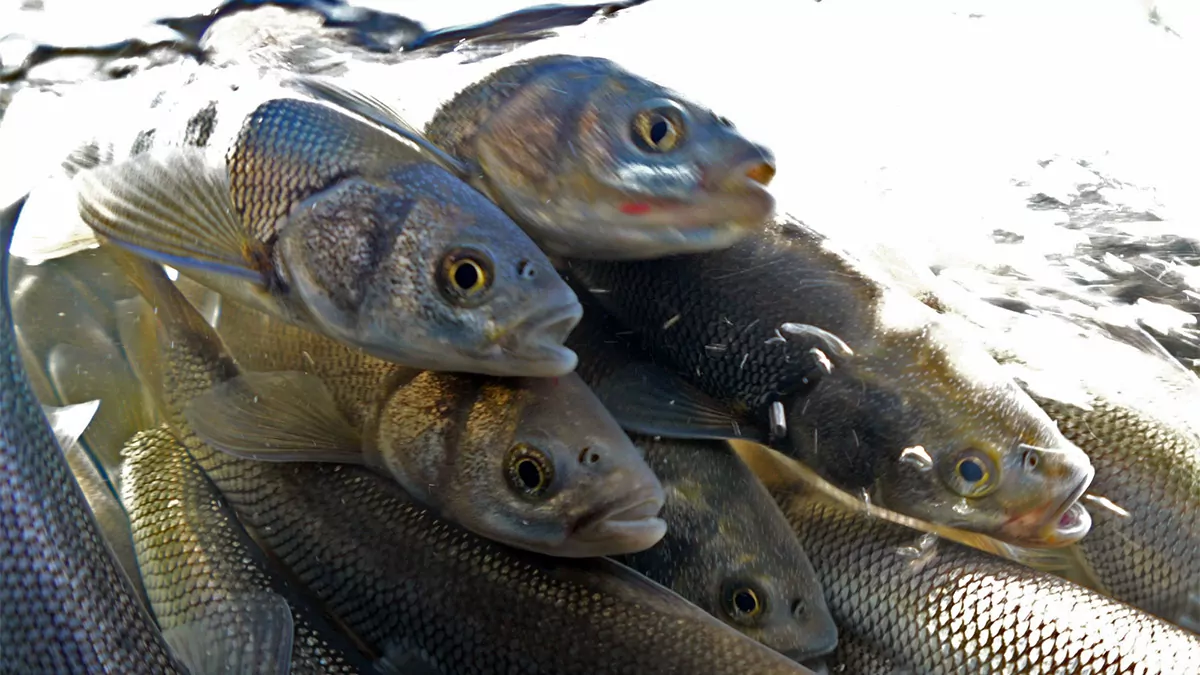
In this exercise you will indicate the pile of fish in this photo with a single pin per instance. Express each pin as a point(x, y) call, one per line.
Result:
point(547, 387)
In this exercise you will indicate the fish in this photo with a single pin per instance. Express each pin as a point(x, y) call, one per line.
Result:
point(303, 210)
point(938, 607)
point(729, 550)
point(402, 579)
point(594, 161)
point(536, 463)
point(65, 604)
point(784, 339)
point(1139, 425)
point(209, 583)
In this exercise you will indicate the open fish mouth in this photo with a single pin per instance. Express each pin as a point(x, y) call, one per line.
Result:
point(1066, 524)
point(628, 528)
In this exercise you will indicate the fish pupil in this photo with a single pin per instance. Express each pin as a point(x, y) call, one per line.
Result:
point(970, 471)
point(659, 130)
point(466, 276)
point(745, 601)
point(529, 473)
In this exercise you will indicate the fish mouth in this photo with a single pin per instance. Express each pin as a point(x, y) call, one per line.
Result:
point(1065, 525)
point(537, 341)
point(620, 529)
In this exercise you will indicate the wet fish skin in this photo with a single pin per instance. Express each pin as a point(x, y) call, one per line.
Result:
point(304, 211)
point(596, 162)
point(987, 614)
point(402, 576)
point(202, 569)
point(463, 444)
point(729, 550)
point(65, 605)
point(901, 379)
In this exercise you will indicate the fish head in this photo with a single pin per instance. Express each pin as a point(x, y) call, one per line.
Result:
point(425, 271)
point(599, 163)
point(535, 463)
point(730, 552)
point(935, 429)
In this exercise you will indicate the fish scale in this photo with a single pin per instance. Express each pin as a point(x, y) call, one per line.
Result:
point(65, 606)
point(944, 608)
point(1150, 468)
point(418, 584)
point(195, 557)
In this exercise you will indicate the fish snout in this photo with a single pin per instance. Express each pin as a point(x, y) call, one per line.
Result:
point(628, 524)
point(751, 170)
point(538, 338)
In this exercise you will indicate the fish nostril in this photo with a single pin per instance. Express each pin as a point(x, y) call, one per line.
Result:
point(761, 173)
point(798, 609)
point(588, 456)
point(1030, 460)
point(526, 270)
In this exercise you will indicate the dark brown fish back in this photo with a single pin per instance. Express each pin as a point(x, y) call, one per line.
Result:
point(289, 149)
point(954, 609)
point(1151, 469)
point(457, 121)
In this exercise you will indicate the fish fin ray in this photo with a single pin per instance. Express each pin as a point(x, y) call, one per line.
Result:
point(368, 107)
point(263, 646)
point(646, 399)
point(70, 421)
point(1069, 562)
point(276, 416)
point(170, 206)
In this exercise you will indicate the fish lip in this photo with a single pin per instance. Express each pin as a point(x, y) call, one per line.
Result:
point(1049, 535)
point(538, 340)
point(623, 527)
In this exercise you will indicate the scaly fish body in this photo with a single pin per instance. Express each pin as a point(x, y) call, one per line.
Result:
point(402, 578)
point(65, 605)
point(305, 211)
point(596, 162)
point(729, 550)
point(935, 607)
point(205, 576)
point(879, 395)
point(1139, 423)
point(535, 463)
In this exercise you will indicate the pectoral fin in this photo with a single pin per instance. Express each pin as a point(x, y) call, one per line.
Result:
point(260, 643)
point(275, 417)
point(371, 109)
point(172, 207)
point(646, 399)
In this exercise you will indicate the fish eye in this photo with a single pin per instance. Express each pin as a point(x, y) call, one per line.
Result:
point(742, 602)
point(529, 470)
point(658, 129)
point(466, 274)
point(974, 474)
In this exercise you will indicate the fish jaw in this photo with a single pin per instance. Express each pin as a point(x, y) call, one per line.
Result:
point(534, 346)
point(618, 529)
point(1058, 525)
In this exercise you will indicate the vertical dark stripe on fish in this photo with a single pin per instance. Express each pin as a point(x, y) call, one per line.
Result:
point(201, 125)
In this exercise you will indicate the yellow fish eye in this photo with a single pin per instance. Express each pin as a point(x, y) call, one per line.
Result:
point(742, 602)
point(973, 474)
point(466, 273)
point(529, 470)
point(659, 129)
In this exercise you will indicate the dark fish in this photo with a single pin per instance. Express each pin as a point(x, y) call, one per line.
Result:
point(302, 210)
point(594, 161)
point(934, 607)
point(783, 338)
point(209, 584)
point(729, 550)
point(536, 463)
point(65, 604)
point(401, 578)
